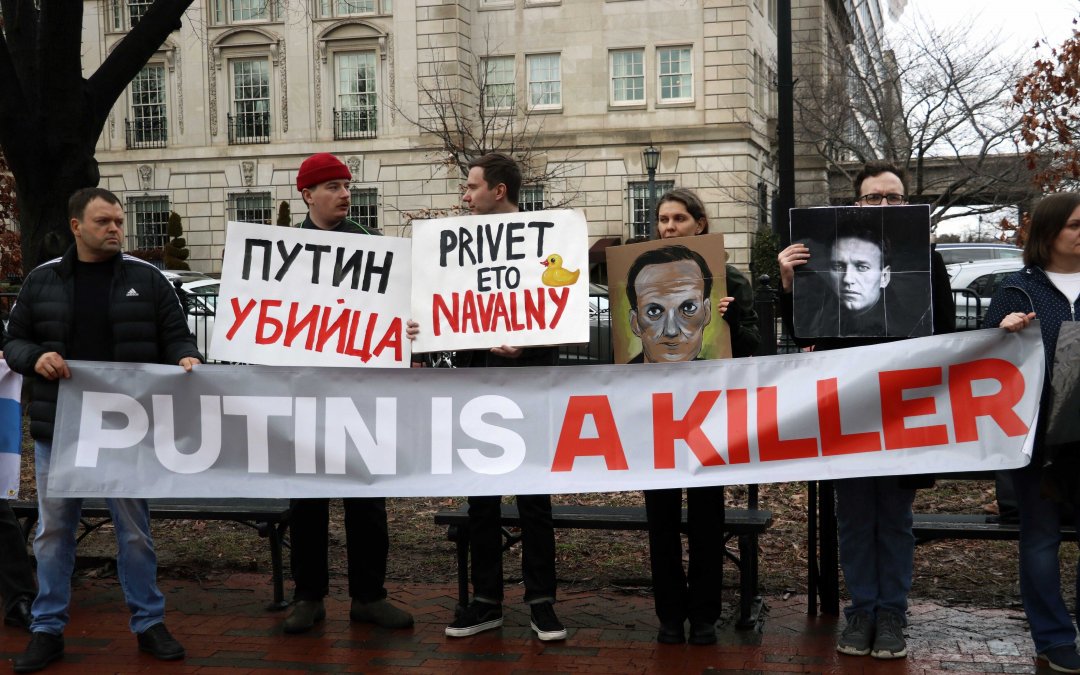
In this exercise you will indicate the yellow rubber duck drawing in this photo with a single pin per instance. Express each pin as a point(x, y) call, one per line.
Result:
point(555, 275)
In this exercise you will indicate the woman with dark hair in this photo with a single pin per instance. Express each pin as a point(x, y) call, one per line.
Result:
point(1048, 288)
point(695, 593)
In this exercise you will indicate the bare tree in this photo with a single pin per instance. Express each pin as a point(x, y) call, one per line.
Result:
point(51, 116)
point(464, 112)
point(935, 102)
point(1049, 98)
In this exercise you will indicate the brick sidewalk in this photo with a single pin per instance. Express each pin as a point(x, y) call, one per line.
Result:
point(226, 628)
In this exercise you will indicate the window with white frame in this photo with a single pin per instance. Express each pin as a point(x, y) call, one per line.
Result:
point(531, 198)
point(349, 7)
point(149, 218)
point(251, 207)
point(356, 105)
point(545, 85)
point(675, 70)
point(638, 196)
point(148, 125)
point(136, 10)
point(124, 14)
point(364, 207)
point(628, 76)
point(499, 82)
point(249, 121)
point(245, 11)
point(772, 13)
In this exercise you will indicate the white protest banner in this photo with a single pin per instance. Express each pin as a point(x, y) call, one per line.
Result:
point(312, 298)
point(518, 279)
point(959, 402)
point(10, 431)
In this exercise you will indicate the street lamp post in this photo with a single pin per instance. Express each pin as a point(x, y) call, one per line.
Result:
point(651, 158)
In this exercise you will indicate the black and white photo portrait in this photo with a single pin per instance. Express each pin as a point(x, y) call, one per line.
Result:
point(868, 274)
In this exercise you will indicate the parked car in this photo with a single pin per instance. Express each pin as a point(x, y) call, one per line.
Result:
point(598, 350)
point(960, 253)
point(201, 308)
point(973, 285)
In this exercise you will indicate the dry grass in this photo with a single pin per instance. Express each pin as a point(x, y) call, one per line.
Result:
point(953, 571)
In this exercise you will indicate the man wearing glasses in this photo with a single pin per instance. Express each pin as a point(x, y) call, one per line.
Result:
point(874, 517)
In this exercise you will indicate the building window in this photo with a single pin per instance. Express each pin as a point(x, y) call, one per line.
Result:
point(676, 74)
point(364, 207)
point(243, 11)
point(250, 120)
point(499, 82)
point(639, 204)
point(136, 10)
point(150, 219)
point(532, 198)
point(355, 112)
point(772, 13)
point(251, 207)
point(148, 125)
point(545, 87)
point(628, 76)
point(124, 14)
point(331, 8)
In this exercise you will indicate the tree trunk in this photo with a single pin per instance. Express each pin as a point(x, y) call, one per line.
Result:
point(51, 117)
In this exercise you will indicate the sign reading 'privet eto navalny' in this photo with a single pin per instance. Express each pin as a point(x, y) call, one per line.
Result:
point(308, 297)
point(960, 402)
point(508, 278)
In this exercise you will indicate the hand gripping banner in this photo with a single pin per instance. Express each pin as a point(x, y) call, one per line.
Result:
point(960, 402)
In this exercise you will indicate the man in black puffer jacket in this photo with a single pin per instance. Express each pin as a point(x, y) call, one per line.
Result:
point(92, 304)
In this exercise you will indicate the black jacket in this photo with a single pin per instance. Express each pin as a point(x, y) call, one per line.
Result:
point(148, 325)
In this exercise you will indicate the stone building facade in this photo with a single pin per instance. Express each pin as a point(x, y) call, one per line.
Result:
point(216, 125)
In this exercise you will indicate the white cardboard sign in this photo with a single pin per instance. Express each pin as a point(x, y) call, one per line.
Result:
point(518, 279)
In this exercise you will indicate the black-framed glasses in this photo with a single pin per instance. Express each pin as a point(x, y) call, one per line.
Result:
point(874, 199)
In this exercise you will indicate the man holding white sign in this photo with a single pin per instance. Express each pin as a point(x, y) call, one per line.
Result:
point(323, 181)
point(93, 304)
point(492, 187)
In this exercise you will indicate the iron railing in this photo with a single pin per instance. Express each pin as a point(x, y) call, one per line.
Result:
point(200, 311)
point(145, 133)
point(249, 128)
point(355, 123)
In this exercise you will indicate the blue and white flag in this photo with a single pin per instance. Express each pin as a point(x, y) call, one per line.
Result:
point(10, 431)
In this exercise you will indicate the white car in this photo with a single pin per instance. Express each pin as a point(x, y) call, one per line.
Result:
point(973, 285)
point(201, 308)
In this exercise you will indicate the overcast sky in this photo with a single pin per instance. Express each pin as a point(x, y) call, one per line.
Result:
point(1015, 24)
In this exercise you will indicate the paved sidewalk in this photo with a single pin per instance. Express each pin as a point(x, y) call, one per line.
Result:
point(226, 628)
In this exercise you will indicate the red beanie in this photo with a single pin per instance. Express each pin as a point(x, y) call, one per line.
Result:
point(320, 168)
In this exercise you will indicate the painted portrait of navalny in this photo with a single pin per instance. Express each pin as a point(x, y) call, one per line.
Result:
point(664, 300)
point(868, 273)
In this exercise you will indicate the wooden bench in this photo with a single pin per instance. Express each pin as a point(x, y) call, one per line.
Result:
point(931, 526)
point(746, 524)
point(268, 517)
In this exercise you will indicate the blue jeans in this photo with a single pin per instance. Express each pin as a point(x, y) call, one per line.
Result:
point(877, 547)
point(54, 547)
point(1040, 571)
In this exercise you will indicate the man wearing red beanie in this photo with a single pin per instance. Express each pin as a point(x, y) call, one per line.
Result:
point(323, 180)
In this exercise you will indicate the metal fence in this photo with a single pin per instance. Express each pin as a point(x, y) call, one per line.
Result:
point(970, 311)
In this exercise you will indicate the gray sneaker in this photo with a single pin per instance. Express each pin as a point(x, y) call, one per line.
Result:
point(381, 613)
point(857, 635)
point(304, 616)
point(889, 641)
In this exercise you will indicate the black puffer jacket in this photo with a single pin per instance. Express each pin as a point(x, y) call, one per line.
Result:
point(148, 325)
